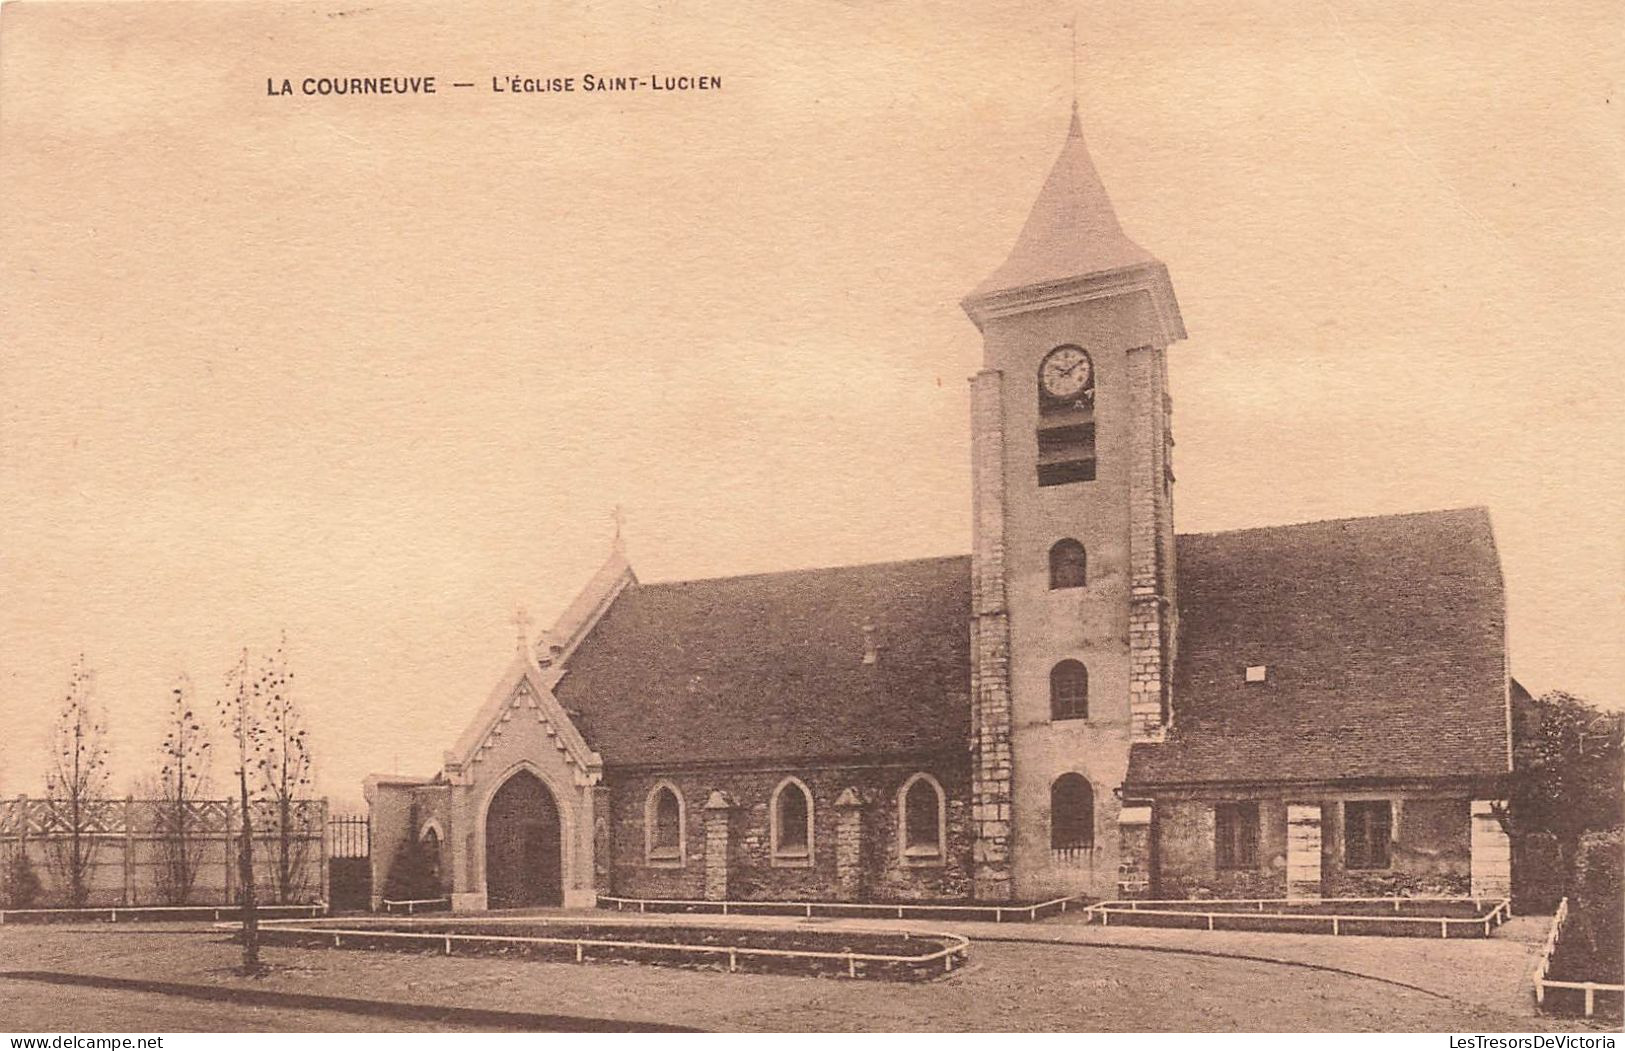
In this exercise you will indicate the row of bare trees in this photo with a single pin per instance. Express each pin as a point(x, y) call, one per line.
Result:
point(255, 722)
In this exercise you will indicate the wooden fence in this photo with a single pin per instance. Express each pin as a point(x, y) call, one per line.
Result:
point(132, 843)
point(1544, 965)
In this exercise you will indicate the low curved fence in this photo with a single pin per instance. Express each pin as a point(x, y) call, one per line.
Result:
point(896, 955)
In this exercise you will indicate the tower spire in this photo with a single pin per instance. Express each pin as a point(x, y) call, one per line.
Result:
point(1072, 230)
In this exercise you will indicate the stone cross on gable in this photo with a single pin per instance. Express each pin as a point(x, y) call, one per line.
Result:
point(521, 623)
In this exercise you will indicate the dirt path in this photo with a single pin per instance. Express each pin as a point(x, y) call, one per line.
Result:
point(1072, 983)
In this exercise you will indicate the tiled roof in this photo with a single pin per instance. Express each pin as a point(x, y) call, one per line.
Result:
point(1384, 643)
point(771, 667)
point(1383, 639)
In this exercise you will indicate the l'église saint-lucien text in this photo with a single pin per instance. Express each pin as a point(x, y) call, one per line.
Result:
point(502, 84)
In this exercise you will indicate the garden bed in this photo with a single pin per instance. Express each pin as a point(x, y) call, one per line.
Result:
point(154, 913)
point(894, 955)
point(1385, 917)
point(999, 912)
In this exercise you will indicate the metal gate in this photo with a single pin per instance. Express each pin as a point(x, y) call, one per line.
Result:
point(349, 863)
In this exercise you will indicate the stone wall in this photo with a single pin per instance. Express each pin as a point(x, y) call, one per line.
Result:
point(1430, 852)
point(1188, 864)
point(855, 852)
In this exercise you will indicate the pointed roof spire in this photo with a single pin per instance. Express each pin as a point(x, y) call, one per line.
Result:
point(1072, 230)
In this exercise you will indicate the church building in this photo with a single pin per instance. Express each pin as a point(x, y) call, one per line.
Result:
point(1088, 703)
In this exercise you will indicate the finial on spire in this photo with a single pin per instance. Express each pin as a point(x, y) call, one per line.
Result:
point(1076, 130)
point(1074, 62)
point(521, 624)
point(618, 516)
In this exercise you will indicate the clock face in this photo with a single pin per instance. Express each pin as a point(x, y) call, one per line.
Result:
point(1066, 373)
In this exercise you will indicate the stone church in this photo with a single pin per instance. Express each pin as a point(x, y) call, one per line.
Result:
point(1089, 703)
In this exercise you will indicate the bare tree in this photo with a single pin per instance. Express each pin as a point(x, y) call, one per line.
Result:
point(183, 777)
point(77, 784)
point(283, 763)
point(238, 716)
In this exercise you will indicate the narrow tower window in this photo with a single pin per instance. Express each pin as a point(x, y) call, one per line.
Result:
point(1071, 813)
point(1069, 691)
point(1068, 565)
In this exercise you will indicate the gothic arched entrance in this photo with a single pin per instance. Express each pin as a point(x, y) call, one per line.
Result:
point(523, 845)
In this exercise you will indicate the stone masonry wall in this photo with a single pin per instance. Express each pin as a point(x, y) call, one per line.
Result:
point(1188, 864)
point(1150, 526)
point(864, 837)
point(1430, 852)
point(991, 771)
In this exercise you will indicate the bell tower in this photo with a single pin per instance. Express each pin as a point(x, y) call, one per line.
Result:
point(1073, 584)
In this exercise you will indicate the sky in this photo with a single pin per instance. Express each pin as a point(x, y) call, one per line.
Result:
point(374, 371)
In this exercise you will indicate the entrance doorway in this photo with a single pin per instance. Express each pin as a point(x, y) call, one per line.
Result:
point(523, 845)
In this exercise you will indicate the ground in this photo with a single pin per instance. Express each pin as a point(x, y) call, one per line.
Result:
point(1058, 976)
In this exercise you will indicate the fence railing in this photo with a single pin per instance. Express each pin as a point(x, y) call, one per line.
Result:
point(349, 836)
point(1202, 909)
point(139, 913)
point(998, 913)
point(1543, 967)
point(412, 906)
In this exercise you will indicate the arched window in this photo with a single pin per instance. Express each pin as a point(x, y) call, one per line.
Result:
point(1071, 813)
point(430, 844)
point(664, 841)
point(921, 821)
point(791, 818)
point(1068, 565)
point(1069, 691)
